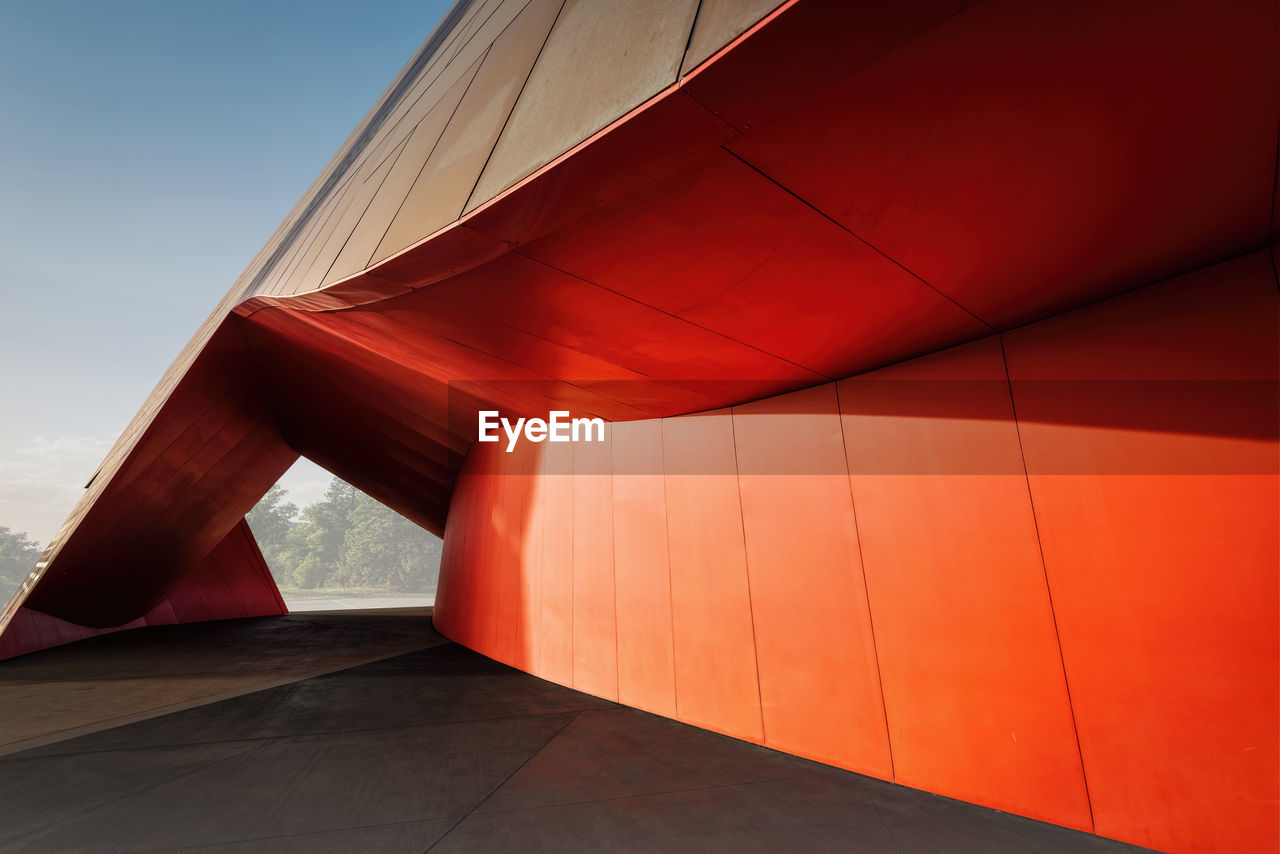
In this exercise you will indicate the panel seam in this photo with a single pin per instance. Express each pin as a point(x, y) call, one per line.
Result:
point(504, 781)
point(746, 567)
point(613, 569)
point(821, 377)
point(479, 64)
point(666, 525)
point(866, 589)
point(497, 140)
point(820, 212)
point(688, 42)
point(1044, 568)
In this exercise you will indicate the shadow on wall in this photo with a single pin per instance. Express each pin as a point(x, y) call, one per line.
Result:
point(1036, 572)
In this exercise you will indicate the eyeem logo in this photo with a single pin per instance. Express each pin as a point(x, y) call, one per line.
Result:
point(558, 427)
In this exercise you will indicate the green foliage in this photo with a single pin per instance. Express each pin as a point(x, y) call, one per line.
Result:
point(382, 547)
point(347, 539)
point(271, 520)
point(18, 556)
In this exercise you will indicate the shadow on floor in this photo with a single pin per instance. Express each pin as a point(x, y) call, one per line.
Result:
point(441, 749)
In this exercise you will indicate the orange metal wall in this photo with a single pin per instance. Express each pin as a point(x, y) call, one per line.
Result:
point(1037, 571)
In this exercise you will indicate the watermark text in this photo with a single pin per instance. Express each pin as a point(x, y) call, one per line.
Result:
point(556, 427)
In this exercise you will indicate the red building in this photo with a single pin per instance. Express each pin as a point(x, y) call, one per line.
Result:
point(938, 344)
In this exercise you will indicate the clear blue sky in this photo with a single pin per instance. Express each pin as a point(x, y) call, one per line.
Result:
point(147, 150)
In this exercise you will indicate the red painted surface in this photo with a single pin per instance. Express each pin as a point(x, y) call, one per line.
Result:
point(642, 569)
point(1044, 640)
point(971, 671)
point(1023, 158)
point(716, 243)
point(797, 512)
point(973, 574)
point(233, 581)
point(715, 651)
point(189, 481)
point(1163, 564)
point(595, 630)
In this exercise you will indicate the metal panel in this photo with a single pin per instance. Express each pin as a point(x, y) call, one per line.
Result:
point(717, 244)
point(344, 224)
point(808, 595)
point(457, 605)
point(295, 275)
point(525, 528)
point(567, 311)
point(1158, 509)
point(192, 478)
point(445, 182)
point(603, 58)
point(963, 619)
point(556, 661)
point(373, 224)
point(595, 633)
point(806, 49)
point(642, 572)
point(719, 22)
point(986, 158)
point(235, 567)
point(716, 684)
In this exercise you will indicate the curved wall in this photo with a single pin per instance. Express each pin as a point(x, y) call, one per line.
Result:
point(1037, 571)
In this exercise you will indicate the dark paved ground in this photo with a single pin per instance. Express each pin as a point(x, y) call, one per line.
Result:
point(443, 750)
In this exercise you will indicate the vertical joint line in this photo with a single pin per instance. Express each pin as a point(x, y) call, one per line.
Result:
point(684, 55)
point(666, 524)
point(497, 140)
point(746, 566)
point(1044, 568)
point(444, 128)
point(573, 572)
point(613, 568)
point(866, 589)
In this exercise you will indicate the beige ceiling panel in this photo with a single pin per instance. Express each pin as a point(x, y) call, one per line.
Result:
point(300, 278)
point(322, 265)
point(291, 267)
point(369, 231)
point(720, 22)
point(482, 26)
point(490, 22)
point(441, 190)
point(466, 45)
point(278, 281)
point(603, 58)
point(481, 20)
point(495, 17)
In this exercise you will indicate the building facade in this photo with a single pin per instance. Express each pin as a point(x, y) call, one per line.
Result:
point(937, 343)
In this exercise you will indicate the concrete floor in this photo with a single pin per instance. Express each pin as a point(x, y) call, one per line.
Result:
point(433, 749)
point(130, 676)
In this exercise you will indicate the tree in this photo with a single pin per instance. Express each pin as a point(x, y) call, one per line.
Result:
point(272, 520)
point(18, 556)
point(384, 549)
point(313, 550)
point(346, 539)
